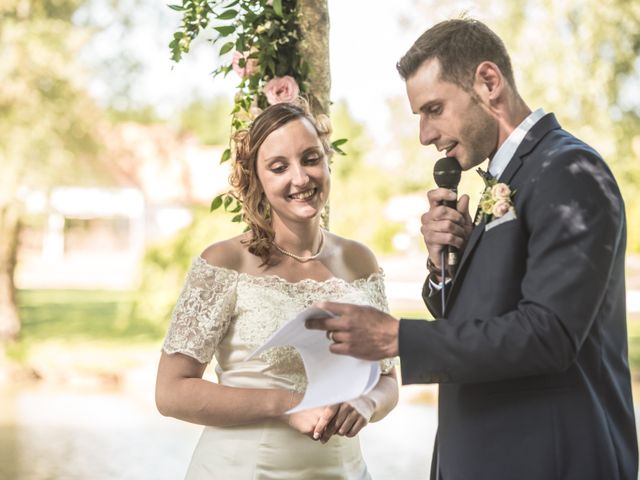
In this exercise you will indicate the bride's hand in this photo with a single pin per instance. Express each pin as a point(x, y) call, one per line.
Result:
point(311, 422)
point(347, 421)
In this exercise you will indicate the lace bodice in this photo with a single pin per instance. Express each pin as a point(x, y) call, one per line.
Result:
point(228, 314)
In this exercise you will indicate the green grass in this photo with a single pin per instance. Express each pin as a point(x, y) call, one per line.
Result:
point(76, 315)
point(633, 332)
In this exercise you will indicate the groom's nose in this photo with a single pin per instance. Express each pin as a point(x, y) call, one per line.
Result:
point(428, 134)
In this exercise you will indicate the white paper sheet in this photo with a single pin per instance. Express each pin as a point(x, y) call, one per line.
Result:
point(332, 378)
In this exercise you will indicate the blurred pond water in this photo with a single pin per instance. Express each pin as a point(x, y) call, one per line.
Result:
point(50, 434)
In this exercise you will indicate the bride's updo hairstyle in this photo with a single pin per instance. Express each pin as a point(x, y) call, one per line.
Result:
point(244, 177)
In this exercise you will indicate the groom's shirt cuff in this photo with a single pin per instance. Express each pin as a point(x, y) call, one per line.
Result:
point(437, 286)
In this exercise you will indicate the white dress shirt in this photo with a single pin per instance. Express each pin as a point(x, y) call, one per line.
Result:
point(505, 152)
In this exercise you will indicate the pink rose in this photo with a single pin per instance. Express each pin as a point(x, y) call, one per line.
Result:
point(500, 191)
point(500, 208)
point(281, 89)
point(250, 66)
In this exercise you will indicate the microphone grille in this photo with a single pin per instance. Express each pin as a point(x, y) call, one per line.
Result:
point(446, 173)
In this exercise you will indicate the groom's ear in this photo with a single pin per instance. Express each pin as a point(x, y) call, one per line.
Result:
point(489, 82)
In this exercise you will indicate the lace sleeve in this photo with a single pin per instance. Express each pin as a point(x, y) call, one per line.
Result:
point(203, 311)
point(378, 297)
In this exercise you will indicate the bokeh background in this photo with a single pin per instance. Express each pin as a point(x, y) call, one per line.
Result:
point(109, 160)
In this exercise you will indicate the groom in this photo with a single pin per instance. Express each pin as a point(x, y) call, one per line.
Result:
point(532, 355)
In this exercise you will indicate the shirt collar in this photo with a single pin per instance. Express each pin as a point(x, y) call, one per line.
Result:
point(504, 154)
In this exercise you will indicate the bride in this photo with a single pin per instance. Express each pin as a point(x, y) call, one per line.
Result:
point(241, 290)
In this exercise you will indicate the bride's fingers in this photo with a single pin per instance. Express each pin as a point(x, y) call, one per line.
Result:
point(327, 414)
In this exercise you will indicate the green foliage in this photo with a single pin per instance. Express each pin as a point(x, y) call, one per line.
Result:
point(360, 190)
point(47, 122)
point(208, 120)
point(264, 34)
point(144, 115)
point(633, 333)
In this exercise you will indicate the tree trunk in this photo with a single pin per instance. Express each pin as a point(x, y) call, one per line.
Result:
point(314, 48)
point(9, 230)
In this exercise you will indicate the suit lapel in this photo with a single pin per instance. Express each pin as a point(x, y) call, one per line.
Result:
point(537, 132)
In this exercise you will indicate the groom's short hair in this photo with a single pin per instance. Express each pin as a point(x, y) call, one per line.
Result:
point(460, 45)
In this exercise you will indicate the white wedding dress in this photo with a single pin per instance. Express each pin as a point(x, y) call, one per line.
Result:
point(228, 314)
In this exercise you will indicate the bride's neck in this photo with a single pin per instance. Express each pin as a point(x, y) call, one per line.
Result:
point(299, 237)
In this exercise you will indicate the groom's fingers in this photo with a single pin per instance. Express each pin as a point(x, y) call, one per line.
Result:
point(463, 206)
point(328, 324)
point(335, 307)
point(335, 323)
point(447, 234)
point(439, 195)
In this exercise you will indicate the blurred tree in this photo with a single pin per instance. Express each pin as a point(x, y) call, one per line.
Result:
point(208, 120)
point(360, 187)
point(47, 123)
point(114, 53)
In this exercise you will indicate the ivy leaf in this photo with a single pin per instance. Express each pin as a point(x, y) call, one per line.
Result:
point(225, 31)
point(336, 146)
point(277, 7)
point(177, 8)
point(240, 43)
point(237, 218)
point(226, 155)
point(226, 48)
point(217, 201)
point(227, 201)
point(237, 208)
point(228, 15)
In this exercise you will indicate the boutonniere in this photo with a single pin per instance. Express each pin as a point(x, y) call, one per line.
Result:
point(496, 199)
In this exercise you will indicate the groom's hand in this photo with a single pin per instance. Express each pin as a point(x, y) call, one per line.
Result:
point(442, 226)
point(360, 331)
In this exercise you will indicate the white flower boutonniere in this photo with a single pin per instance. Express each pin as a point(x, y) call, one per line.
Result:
point(496, 199)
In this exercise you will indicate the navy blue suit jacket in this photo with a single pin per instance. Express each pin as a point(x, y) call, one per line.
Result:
point(532, 355)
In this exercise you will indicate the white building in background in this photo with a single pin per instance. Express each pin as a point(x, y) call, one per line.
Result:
point(95, 236)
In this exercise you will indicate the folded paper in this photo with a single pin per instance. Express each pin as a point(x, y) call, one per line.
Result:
point(331, 378)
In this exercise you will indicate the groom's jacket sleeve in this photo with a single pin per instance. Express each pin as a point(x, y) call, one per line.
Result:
point(573, 215)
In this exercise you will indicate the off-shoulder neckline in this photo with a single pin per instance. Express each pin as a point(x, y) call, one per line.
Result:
point(370, 278)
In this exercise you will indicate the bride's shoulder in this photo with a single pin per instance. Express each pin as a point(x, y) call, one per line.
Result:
point(227, 253)
point(357, 257)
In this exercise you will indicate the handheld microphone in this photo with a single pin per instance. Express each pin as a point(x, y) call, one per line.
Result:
point(446, 173)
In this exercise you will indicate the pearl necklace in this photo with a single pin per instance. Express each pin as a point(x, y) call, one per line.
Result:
point(298, 257)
